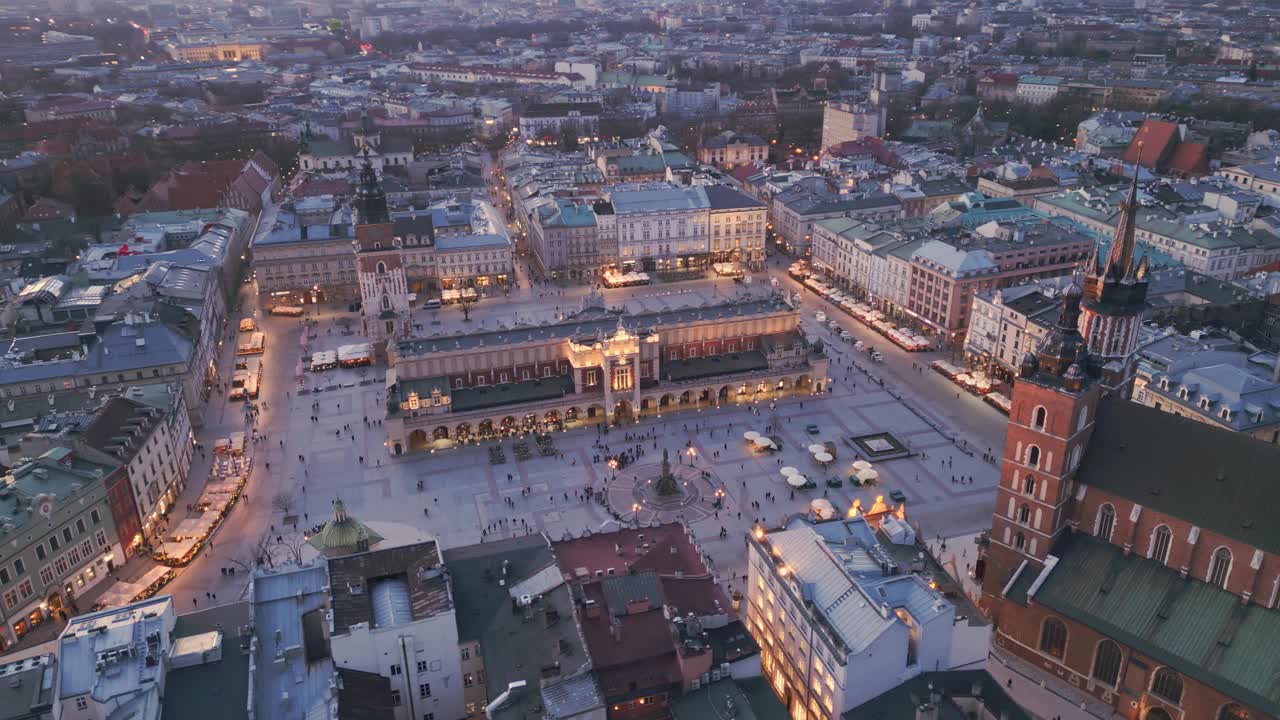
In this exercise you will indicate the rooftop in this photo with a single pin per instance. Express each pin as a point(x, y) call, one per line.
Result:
point(1168, 463)
point(540, 644)
point(217, 687)
point(387, 587)
point(592, 326)
point(842, 561)
point(117, 657)
point(955, 690)
point(1194, 627)
point(293, 672)
point(58, 474)
point(27, 687)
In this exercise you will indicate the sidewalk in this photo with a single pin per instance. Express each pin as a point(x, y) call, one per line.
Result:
point(1044, 697)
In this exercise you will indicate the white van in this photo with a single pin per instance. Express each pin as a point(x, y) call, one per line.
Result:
point(820, 316)
point(432, 304)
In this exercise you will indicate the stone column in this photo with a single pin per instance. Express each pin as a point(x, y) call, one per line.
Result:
point(635, 385)
point(606, 370)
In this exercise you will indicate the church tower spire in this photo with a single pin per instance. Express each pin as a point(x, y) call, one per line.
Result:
point(370, 200)
point(1114, 299)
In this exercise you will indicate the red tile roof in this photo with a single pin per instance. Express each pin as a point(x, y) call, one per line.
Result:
point(597, 552)
point(1158, 140)
point(1189, 159)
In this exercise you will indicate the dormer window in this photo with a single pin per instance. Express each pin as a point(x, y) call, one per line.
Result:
point(1225, 414)
point(414, 402)
point(1164, 383)
point(1184, 394)
point(1205, 403)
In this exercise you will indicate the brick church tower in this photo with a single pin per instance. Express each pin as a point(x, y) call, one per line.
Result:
point(1054, 401)
point(384, 291)
point(1115, 294)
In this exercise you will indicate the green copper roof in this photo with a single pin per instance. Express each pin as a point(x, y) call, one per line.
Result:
point(343, 534)
point(1194, 627)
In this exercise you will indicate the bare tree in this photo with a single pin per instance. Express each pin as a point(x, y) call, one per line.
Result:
point(291, 546)
point(260, 554)
point(282, 503)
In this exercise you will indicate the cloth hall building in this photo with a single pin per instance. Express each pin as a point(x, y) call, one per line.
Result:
point(595, 367)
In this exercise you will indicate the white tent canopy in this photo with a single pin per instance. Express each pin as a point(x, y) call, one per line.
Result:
point(796, 480)
point(868, 475)
point(823, 457)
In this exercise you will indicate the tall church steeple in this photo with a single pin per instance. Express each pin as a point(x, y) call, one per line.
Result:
point(1114, 298)
point(370, 200)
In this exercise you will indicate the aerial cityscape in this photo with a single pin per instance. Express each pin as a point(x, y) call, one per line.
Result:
point(391, 360)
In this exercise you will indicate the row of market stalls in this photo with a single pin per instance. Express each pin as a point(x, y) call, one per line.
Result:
point(459, 295)
point(974, 381)
point(904, 338)
point(353, 355)
point(232, 465)
point(123, 593)
point(615, 279)
point(728, 269)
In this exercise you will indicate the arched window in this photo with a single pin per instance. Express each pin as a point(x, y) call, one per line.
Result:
point(1029, 485)
point(386, 302)
point(1220, 567)
point(1024, 514)
point(1053, 637)
point(1167, 684)
point(1075, 458)
point(1106, 522)
point(1033, 456)
point(1156, 713)
point(1232, 711)
point(1160, 541)
point(1019, 541)
point(1106, 662)
point(1038, 417)
point(381, 269)
point(1084, 418)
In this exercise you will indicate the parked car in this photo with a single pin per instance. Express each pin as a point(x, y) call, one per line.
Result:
point(820, 316)
point(834, 482)
point(811, 429)
point(844, 335)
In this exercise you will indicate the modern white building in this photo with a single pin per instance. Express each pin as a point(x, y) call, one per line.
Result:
point(837, 619)
point(393, 614)
point(111, 664)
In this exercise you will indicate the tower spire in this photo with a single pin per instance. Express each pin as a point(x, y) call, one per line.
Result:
point(1120, 265)
point(371, 199)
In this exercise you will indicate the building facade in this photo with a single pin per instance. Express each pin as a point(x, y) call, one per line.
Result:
point(845, 122)
point(837, 620)
point(596, 368)
point(61, 537)
point(393, 616)
point(729, 149)
point(384, 291)
point(155, 446)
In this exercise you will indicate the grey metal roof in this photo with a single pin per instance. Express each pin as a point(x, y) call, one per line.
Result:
point(622, 590)
point(591, 326)
point(1171, 464)
point(572, 696)
point(849, 588)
